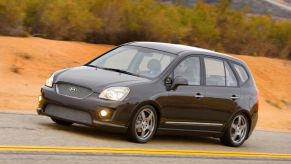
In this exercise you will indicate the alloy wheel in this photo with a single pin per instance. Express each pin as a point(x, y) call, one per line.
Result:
point(238, 129)
point(145, 124)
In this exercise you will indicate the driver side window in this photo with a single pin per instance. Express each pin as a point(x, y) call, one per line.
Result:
point(189, 69)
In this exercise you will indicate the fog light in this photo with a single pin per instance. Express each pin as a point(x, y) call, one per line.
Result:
point(41, 102)
point(40, 98)
point(104, 113)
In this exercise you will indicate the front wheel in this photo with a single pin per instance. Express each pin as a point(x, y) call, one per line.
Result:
point(237, 131)
point(143, 125)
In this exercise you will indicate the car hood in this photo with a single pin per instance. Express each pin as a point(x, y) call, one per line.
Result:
point(97, 79)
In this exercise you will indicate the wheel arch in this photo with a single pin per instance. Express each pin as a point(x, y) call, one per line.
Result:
point(152, 103)
point(248, 116)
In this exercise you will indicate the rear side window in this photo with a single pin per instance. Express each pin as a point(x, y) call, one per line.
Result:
point(215, 74)
point(241, 72)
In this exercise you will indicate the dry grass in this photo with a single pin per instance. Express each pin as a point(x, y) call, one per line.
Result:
point(15, 69)
point(24, 56)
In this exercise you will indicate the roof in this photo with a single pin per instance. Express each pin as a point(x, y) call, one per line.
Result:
point(178, 49)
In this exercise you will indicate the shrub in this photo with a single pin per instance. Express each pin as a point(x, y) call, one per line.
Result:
point(117, 21)
point(11, 16)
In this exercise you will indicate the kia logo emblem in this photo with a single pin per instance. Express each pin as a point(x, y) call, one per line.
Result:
point(73, 89)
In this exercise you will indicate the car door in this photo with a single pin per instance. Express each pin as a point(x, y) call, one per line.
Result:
point(222, 92)
point(184, 104)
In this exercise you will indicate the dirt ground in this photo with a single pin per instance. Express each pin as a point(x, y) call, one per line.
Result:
point(25, 64)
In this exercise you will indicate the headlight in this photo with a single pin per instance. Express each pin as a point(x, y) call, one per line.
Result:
point(49, 81)
point(114, 93)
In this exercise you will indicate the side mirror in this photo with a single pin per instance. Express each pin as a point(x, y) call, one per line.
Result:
point(179, 81)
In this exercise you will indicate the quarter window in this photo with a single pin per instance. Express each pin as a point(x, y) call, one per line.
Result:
point(241, 72)
point(215, 74)
point(230, 78)
point(190, 70)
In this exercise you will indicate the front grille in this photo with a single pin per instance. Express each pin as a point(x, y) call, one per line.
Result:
point(68, 114)
point(73, 90)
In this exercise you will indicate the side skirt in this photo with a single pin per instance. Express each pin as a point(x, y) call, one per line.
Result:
point(172, 131)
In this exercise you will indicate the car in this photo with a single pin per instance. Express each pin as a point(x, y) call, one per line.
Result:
point(141, 88)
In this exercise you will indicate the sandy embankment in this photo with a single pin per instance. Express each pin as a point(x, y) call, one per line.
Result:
point(25, 63)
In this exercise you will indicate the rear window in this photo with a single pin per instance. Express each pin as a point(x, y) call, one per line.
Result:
point(241, 72)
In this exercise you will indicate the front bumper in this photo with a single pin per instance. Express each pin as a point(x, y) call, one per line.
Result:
point(84, 111)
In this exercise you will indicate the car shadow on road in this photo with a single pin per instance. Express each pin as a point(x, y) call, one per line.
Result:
point(111, 135)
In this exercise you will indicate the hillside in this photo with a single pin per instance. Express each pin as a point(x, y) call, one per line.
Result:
point(275, 8)
point(25, 63)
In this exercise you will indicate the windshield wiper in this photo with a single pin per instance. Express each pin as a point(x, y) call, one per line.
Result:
point(90, 65)
point(113, 69)
point(119, 70)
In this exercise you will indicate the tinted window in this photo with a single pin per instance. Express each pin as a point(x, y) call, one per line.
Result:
point(121, 61)
point(241, 72)
point(147, 59)
point(230, 78)
point(136, 60)
point(215, 74)
point(189, 68)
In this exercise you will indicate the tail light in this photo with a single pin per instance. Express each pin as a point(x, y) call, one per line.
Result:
point(257, 97)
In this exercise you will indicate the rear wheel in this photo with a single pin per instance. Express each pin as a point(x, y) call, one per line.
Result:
point(143, 125)
point(236, 133)
point(61, 122)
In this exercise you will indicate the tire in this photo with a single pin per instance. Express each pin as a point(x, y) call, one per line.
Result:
point(143, 125)
point(236, 132)
point(61, 122)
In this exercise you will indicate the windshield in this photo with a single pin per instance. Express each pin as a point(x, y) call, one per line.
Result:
point(136, 61)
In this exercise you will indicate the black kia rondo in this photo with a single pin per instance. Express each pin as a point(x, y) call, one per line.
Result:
point(141, 88)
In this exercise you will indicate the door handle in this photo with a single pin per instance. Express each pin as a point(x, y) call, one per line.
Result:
point(234, 97)
point(198, 96)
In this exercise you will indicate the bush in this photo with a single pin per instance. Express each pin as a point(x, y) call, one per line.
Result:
point(11, 16)
point(67, 19)
point(117, 21)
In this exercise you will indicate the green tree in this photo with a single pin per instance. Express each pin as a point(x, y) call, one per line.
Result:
point(215, 27)
point(11, 17)
point(67, 19)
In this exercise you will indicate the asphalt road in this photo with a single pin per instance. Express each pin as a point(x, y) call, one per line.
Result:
point(28, 138)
